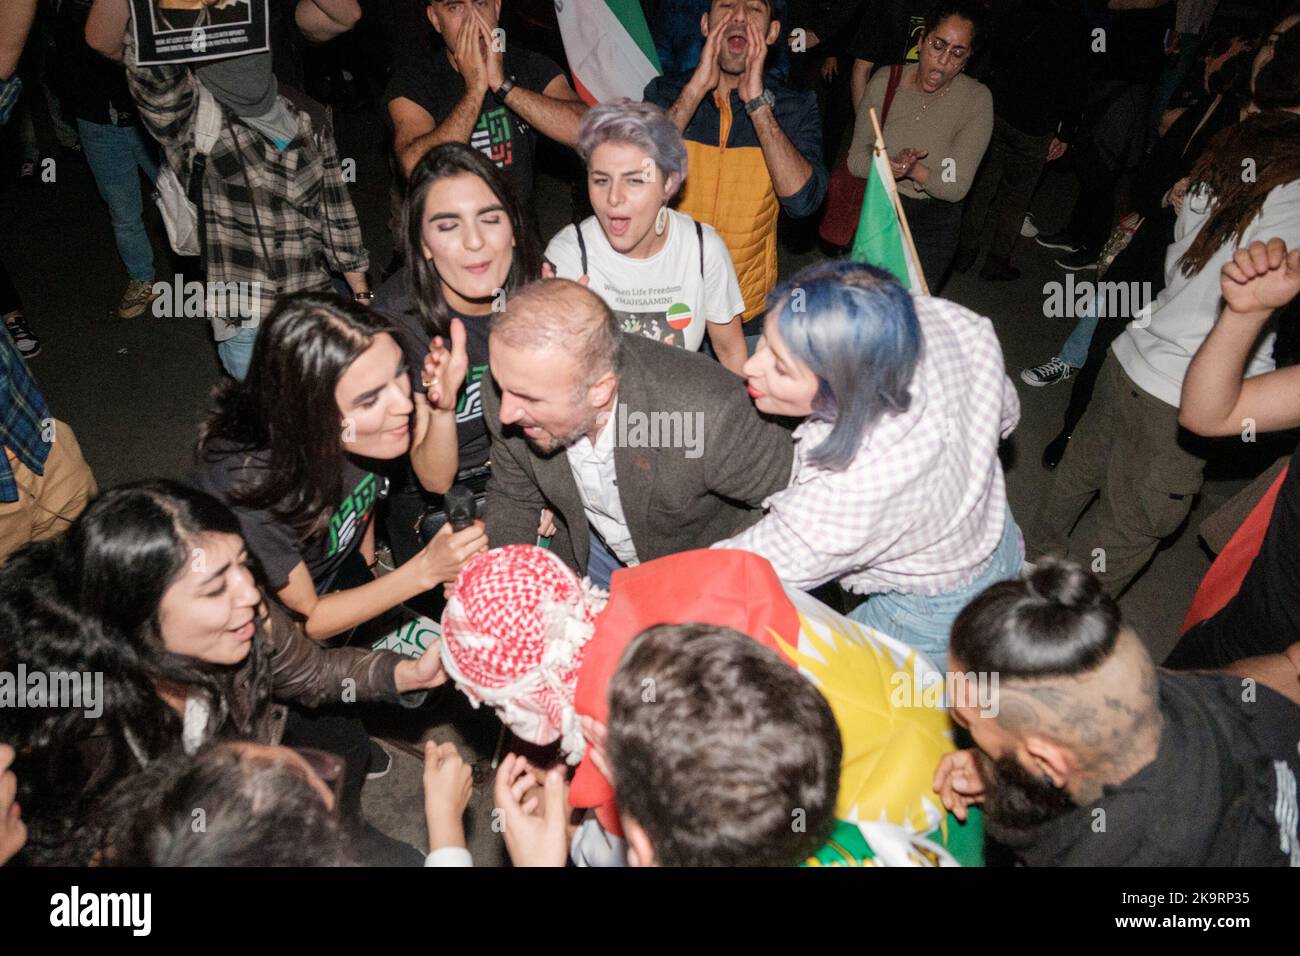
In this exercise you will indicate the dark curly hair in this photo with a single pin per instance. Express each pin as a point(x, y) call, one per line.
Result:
point(219, 807)
point(88, 603)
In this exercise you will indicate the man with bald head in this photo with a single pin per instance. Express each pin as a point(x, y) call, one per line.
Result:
point(638, 449)
point(1091, 755)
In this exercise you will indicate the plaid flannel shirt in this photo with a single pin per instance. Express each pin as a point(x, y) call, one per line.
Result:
point(308, 223)
point(23, 417)
point(921, 507)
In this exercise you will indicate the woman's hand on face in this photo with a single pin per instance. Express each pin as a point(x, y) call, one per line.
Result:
point(441, 559)
point(444, 371)
point(448, 786)
point(904, 161)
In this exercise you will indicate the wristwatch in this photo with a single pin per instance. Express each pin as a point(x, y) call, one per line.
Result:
point(766, 98)
point(365, 297)
point(506, 86)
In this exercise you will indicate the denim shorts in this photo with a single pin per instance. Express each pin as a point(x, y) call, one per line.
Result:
point(923, 621)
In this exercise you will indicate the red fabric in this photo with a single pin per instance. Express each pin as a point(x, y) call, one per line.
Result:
point(1222, 582)
point(845, 192)
point(726, 588)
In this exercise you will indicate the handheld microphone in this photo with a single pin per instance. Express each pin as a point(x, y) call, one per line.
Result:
point(459, 504)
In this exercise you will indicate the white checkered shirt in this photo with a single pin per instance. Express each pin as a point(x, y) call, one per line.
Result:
point(921, 507)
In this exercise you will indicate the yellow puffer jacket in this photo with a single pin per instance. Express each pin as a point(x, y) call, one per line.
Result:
point(728, 184)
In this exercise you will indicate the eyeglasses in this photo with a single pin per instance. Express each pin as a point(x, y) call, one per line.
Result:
point(941, 46)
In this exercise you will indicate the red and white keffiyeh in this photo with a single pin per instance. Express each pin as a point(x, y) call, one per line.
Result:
point(512, 637)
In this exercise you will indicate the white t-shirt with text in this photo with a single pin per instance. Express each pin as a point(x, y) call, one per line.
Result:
point(664, 297)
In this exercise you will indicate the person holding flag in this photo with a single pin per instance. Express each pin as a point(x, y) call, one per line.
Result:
point(897, 490)
point(937, 124)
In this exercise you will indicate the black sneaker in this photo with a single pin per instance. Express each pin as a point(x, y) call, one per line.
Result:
point(1058, 240)
point(28, 345)
point(1049, 373)
point(381, 761)
point(1080, 261)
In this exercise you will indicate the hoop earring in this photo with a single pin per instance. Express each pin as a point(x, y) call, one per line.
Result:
point(661, 221)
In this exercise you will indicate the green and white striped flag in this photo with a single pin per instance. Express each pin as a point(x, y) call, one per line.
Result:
point(608, 46)
point(881, 239)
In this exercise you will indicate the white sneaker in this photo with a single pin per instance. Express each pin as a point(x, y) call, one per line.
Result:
point(1049, 373)
point(1027, 228)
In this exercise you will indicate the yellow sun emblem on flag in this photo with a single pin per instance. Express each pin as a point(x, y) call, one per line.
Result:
point(890, 752)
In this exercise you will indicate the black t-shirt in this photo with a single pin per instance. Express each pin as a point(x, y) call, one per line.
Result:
point(1038, 61)
point(276, 545)
point(1220, 792)
point(91, 87)
point(1134, 44)
point(394, 300)
point(431, 82)
point(890, 31)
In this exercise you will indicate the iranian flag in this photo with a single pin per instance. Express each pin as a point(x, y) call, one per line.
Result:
point(608, 47)
point(883, 238)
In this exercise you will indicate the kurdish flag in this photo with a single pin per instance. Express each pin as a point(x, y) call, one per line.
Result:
point(882, 238)
point(608, 47)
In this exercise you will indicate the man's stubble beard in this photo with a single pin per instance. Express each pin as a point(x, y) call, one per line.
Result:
point(1016, 799)
point(555, 445)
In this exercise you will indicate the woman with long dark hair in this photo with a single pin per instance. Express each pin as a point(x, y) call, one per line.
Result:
point(467, 248)
point(150, 594)
point(1126, 448)
point(295, 449)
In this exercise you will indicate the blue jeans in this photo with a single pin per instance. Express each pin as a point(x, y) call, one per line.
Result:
point(1074, 352)
point(237, 353)
point(115, 154)
point(923, 621)
point(601, 562)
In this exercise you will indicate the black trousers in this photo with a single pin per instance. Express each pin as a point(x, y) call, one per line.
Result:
point(336, 729)
point(936, 229)
point(1003, 188)
point(9, 300)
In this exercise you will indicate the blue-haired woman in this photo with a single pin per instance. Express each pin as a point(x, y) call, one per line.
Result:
point(897, 490)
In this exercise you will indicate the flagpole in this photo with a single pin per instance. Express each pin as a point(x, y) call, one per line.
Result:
point(898, 204)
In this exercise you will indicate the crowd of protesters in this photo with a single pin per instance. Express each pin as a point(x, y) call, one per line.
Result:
point(741, 542)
